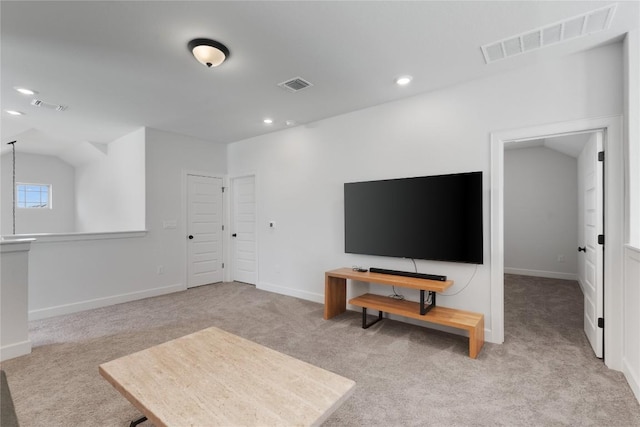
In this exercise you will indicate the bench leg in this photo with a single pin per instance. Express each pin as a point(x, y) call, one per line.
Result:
point(366, 325)
point(424, 309)
point(476, 339)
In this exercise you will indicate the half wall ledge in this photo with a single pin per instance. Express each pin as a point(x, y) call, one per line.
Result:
point(69, 237)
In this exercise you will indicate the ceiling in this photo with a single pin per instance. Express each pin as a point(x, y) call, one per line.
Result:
point(121, 65)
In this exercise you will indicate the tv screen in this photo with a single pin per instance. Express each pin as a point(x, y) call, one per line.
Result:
point(429, 217)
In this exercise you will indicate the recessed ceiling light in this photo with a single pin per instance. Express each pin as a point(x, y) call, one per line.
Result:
point(25, 91)
point(267, 121)
point(404, 80)
point(14, 112)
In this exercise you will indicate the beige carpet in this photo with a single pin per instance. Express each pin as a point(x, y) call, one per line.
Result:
point(545, 373)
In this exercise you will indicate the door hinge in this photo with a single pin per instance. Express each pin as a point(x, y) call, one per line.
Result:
point(600, 322)
point(222, 227)
point(223, 265)
point(222, 189)
point(601, 239)
point(601, 156)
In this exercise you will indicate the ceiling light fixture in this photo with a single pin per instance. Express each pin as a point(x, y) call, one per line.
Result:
point(14, 112)
point(25, 91)
point(208, 52)
point(268, 121)
point(404, 80)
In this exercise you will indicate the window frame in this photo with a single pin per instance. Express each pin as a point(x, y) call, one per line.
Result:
point(18, 204)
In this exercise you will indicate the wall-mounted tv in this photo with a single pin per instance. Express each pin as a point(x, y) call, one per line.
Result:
point(429, 217)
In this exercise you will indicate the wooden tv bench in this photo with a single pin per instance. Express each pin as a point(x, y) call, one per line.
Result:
point(335, 302)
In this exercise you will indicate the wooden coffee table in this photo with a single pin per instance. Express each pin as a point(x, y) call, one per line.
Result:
point(212, 377)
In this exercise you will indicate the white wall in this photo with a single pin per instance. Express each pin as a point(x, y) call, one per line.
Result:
point(632, 135)
point(300, 172)
point(97, 270)
point(14, 281)
point(631, 292)
point(631, 348)
point(540, 213)
point(39, 169)
point(169, 156)
point(110, 190)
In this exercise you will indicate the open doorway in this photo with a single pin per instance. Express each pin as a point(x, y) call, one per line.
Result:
point(614, 224)
point(553, 200)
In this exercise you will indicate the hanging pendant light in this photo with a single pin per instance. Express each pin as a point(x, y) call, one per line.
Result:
point(208, 52)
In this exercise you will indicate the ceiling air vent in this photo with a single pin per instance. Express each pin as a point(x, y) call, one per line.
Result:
point(295, 84)
point(47, 105)
point(562, 31)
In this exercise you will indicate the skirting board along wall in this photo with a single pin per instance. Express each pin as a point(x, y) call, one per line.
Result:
point(292, 292)
point(102, 302)
point(540, 273)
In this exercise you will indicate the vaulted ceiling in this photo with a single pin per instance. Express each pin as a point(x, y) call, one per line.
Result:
point(120, 65)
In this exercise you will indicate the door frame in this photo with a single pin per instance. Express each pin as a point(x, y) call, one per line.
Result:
point(185, 215)
point(232, 179)
point(613, 226)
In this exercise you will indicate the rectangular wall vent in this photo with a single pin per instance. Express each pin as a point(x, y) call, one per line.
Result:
point(577, 26)
point(47, 105)
point(295, 84)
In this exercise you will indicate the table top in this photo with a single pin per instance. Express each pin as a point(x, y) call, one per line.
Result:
point(212, 377)
point(392, 280)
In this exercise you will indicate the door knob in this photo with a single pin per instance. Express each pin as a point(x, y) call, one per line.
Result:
point(234, 235)
point(190, 236)
point(583, 249)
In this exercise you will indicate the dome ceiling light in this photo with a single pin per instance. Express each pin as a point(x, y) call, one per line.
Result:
point(208, 52)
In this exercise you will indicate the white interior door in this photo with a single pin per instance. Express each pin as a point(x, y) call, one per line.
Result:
point(243, 233)
point(591, 259)
point(204, 230)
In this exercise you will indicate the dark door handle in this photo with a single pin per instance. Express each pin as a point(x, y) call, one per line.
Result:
point(234, 235)
point(583, 249)
point(190, 236)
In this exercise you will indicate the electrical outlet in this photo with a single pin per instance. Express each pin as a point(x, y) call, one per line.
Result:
point(561, 258)
point(160, 269)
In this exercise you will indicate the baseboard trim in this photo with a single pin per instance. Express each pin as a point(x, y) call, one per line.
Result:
point(309, 296)
point(15, 350)
point(541, 273)
point(44, 313)
point(632, 378)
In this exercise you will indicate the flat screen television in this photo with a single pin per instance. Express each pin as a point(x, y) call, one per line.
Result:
point(429, 217)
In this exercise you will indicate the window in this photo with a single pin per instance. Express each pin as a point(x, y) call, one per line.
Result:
point(31, 196)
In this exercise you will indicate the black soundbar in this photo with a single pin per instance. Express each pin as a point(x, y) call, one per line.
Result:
point(409, 274)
